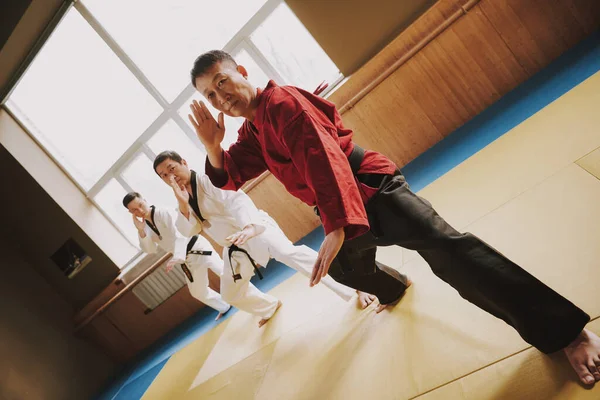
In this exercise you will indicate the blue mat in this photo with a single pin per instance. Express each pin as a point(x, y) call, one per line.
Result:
point(136, 388)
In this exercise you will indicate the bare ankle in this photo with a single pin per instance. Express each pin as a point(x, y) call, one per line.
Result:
point(582, 337)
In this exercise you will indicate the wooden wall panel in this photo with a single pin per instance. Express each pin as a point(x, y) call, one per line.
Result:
point(440, 102)
point(295, 218)
point(488, 51)
point(175, 310)
point(107, 293)
point(393, 51)
point(128, 315)
point(587, 13)
point(124, 329)
point(105, 335)
point(539, 31)
point(382, 132)
point(480, 59)
point(214, 281)
point(455, 77)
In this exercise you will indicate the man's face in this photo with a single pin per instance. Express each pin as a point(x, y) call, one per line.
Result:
point(138, 207)
point(227, 89)
point(169, 170)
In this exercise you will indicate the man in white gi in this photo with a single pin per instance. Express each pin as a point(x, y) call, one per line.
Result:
point(156, 227)
point(249, 236)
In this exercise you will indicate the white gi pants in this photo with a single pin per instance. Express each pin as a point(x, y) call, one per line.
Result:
point(273, 242)
point(198, 266)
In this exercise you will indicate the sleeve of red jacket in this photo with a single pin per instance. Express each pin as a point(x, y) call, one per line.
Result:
point(241, 163)
point(316, 153)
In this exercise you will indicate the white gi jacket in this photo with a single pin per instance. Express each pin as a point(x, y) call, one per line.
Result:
point(170, 240)
point(225, 212)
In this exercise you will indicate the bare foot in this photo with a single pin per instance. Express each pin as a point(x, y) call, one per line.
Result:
point(365, 299)
point(265, 320)
point(584, 356)
point(222, 314)
point(382, 307)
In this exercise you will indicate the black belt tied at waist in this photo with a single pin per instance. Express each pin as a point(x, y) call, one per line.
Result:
point(355, 159)
point(188, 250)
point(372, 180)
point(233, 248)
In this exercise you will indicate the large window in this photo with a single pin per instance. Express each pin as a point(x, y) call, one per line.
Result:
point(110, 88)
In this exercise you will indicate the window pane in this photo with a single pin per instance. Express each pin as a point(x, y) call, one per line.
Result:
point(171, 137)
point(110, 200)
point(293, 51)
point(164, 37)
point(231, 124)
point(80, 101)
point(140, 175)
point(256, 75)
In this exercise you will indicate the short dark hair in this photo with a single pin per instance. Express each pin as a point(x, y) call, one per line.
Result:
point(129, 197)
point(166, 155)
point(207, 60)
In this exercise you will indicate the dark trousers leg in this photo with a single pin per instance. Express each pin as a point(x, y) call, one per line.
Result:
point(479, 273)
point(357, 268)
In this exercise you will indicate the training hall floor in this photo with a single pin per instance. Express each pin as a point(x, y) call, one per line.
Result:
point(524, 176)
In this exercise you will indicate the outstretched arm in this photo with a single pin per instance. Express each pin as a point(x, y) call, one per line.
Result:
point(227, 169)
point(316, 154)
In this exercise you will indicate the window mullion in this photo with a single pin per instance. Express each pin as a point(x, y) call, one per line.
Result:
point(119, 178)
point(333, 85)
point(129, 153)
point(114, 224)
point(262, 62)
point(121, 54)
point(253, 23)
point(183, 97)
point(187, 129)
point(148, 152)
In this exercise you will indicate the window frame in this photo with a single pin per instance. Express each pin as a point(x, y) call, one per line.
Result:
point(240, 41)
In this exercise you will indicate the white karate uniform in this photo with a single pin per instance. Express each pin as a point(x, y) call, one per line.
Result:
point(228, 212)
point(171, 241)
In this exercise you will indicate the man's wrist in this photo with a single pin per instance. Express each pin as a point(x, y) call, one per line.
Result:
point(216, 149)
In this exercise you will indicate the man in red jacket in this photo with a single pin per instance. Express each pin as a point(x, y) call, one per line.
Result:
point(364, 202)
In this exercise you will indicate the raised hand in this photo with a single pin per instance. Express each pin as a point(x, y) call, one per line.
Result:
point(180, 191)
point(245, 234)
point(209, 131)
point(139, 223)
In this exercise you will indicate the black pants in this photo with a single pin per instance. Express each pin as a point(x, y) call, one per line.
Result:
point(479, 273)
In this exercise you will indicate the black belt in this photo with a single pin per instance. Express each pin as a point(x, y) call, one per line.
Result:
point(191, 243)
point(200, 252)
point(355, 159)
point(372, 180)
point(236, 277)
point(188, 250)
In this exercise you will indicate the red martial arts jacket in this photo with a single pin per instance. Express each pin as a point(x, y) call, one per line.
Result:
point(301, 139)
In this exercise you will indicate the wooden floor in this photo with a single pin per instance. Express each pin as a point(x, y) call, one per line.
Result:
point(534, 194)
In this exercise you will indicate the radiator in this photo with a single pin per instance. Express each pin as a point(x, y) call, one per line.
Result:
point(159, 286)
